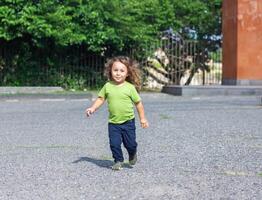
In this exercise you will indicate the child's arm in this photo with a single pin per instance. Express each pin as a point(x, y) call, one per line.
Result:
point(98, 102)
point(141, 113)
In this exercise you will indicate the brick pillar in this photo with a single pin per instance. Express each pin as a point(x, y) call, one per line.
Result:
point(242, 42)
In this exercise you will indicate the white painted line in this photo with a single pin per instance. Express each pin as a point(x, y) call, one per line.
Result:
point(51, 99)
point(12, 100)
point(79, 99)
point(195, 98)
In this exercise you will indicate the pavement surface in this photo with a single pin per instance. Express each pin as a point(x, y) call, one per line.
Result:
point(196, 148)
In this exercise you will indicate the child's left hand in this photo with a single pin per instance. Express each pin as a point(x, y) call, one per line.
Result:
point(144, 123)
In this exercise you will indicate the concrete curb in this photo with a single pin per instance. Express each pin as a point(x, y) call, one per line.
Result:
point(218, 90)
point(25, 93)
point(30, 90)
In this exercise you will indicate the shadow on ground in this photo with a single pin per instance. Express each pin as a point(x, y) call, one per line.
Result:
point(99, 162)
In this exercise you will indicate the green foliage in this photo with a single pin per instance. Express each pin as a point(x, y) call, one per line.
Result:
point(104, 27)
point(45, 19)
point(216, 56)
point(106, 24)
point(69, 82)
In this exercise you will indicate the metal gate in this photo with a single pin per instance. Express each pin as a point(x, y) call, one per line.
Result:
point(167, 61)
point(182, 62)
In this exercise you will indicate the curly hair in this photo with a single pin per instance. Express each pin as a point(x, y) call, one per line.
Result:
point(133, 71)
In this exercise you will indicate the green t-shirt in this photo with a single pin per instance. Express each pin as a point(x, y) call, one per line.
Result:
point(120, 99)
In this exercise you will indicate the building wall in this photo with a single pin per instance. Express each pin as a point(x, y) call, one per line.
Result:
point(242, 42)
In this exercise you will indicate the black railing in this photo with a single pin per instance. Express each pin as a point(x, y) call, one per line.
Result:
point(72, 67)
point(75, 67)
point(183, 63)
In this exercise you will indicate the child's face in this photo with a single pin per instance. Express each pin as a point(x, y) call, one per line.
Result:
point(119, 72)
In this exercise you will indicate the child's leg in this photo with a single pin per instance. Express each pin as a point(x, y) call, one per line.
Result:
point(129, 137)
point(115, 140)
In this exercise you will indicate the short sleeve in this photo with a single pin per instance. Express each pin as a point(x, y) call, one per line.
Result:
point(134, 95)
point(102, 92)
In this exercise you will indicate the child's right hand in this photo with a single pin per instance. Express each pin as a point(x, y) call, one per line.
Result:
point(89, 111)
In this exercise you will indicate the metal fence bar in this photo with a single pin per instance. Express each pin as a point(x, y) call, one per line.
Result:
point(64, 65)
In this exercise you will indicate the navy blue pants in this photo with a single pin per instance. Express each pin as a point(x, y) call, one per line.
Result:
point(122, 133)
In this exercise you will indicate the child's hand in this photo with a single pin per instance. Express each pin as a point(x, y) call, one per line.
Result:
point(89, 111)
point(144, 123)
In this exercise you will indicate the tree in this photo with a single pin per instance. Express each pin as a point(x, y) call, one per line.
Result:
point(106, 24)
point(102, 27)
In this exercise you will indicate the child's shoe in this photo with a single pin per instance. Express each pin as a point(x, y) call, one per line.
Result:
point(133, 159)
point(117, 166)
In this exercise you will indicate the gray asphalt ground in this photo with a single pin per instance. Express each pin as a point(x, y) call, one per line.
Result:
point(196, 148)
